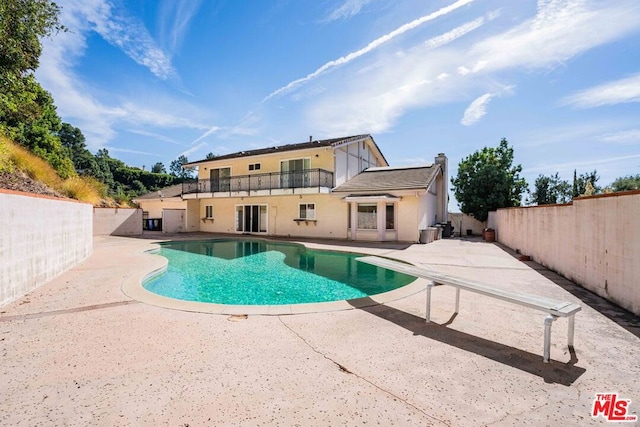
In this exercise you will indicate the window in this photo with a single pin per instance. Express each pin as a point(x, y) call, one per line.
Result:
point(390, 218)
point(367, 216)
point(307, 211)
point(254, 167)
point(208, 212)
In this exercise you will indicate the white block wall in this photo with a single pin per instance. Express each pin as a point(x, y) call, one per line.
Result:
point(39, 239)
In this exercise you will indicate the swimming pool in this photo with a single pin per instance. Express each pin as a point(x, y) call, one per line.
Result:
point(256, 272)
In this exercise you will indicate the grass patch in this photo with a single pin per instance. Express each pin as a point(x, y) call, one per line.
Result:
point(83, 189)
point(6, 165)
point(32, 165)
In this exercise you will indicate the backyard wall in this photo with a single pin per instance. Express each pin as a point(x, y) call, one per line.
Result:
point(594, 242)
point(117, 221)
point(40, 237)
point(463, 222)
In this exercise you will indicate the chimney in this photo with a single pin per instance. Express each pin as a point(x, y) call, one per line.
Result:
point(443, 189)
point(310, 138)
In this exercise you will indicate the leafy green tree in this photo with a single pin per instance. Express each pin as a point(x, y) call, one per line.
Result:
point(626, 183)
point(158, 168)
point(550, 190)
point(176, 168)
point(210, 156)
point(138, 188)
point(22, 24)
point(580, 183)
point(73, 141)
point(27, 112)
point(487, 180)
point(103, 173)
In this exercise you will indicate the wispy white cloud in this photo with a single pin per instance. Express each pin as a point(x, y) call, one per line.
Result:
point(454, 34)
point(347, 10)
point(560, 30)
point(127, 33)
point(630, 136)
point(210, 131)
point(136, 113)
point(127, 150)
point(155, 136)
point(579, 164)
point(370, 47)
point(174, 18)
point(193, 149)
point(74, 97)
point(616, 92)
point(417, 77)
point(476, 109)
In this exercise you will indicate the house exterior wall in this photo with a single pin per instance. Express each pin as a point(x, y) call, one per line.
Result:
point(40, 238)
point(320, 158)
point(331, 215)
point(408, 224)
point(193, 216)
point(154, 207)
point(345, 161)
point(351, 159)
point(594, 242)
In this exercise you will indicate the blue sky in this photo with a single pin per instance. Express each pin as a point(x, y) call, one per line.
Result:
point(151, 80)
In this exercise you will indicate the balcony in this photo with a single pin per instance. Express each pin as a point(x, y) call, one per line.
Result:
point(295, 182)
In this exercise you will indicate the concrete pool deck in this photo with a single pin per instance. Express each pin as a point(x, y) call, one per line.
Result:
point(78, 351)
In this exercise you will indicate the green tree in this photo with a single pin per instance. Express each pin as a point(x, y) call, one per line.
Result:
point(210, 156)
point(27, 112)
point(103, 173)
point(158, 168)
point(22, 24)
point(580, 183)
point(626, 183)
point(73, 140)
point(176, 168)
point(550, 190)
point(487, 180)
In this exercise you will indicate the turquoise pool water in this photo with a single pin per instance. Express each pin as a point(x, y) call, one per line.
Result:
point(266, 273)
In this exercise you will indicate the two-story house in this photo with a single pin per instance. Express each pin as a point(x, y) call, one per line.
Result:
point(339, 188)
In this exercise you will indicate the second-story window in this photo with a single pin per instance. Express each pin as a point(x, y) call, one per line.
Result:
point(254, 167)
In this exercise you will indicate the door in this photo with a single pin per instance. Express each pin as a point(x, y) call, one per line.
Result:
point(251, 218)
point(294, 173)
point(220, 179)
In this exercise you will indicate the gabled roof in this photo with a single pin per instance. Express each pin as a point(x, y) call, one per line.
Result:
point(381, 179)
point(163, 193)
point(334, 142)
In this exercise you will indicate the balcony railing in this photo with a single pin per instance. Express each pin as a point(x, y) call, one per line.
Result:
point(308, 178)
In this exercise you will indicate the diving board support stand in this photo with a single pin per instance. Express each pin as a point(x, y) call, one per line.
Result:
point(428, 310)
point(553, 308)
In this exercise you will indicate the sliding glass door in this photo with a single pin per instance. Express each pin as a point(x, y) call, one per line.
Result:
point(295, 173)
point(220, 179)
point(251, 218)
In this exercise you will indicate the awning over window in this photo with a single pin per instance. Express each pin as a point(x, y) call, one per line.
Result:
point(371, 198)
